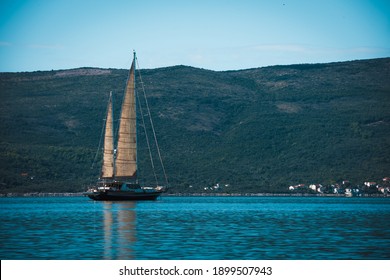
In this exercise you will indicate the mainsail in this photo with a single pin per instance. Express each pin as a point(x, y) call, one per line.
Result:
point(126, 157)
point(108, 153)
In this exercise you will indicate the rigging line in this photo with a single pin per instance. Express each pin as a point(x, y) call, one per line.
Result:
point(100, 141)
point(151, 123)
point(147, 138)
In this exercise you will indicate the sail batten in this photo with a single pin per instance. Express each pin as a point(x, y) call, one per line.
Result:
point(126, 157)
point(108, 150)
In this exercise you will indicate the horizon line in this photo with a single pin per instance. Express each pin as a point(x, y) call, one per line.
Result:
point(183, 65)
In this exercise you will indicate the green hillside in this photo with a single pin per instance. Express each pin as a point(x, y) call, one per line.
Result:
point(255, 130)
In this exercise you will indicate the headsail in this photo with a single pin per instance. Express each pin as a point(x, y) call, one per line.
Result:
point(126, 157)
point(108, 153)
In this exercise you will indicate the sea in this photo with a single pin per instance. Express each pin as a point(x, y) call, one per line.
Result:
point(195, 228)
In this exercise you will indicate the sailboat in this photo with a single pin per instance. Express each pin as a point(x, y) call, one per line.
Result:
point(118, 180)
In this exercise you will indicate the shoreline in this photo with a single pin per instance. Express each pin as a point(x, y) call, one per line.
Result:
point(78, 194)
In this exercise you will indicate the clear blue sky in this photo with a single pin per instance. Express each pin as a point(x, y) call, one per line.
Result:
point(211, 34)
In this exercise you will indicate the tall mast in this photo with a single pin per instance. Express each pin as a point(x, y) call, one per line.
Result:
point(126, 159)
point(135, 111)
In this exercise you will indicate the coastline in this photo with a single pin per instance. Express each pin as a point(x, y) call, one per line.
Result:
point(78, 194)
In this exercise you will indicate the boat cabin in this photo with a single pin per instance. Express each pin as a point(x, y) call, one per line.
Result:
point(118, 186)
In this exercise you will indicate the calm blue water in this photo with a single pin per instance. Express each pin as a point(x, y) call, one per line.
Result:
point(195, 228)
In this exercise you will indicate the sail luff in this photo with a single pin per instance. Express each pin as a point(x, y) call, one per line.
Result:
point(108, 151)
point(126, 157)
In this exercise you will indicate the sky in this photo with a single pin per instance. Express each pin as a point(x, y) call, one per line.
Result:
point(210, 34)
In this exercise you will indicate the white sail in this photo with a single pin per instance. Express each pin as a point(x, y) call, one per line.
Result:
point(126, 158)
point(108, 152)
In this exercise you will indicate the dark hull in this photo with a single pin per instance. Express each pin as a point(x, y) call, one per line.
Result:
point(123, 195)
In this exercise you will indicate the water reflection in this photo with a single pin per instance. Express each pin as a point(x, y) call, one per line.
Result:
point(119, 225)
point(218, 228)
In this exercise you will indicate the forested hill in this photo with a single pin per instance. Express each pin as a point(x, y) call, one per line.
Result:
point(254, 130)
